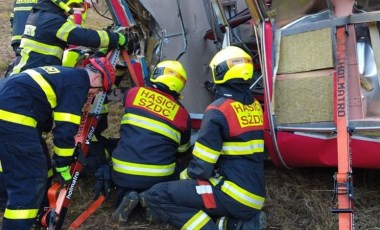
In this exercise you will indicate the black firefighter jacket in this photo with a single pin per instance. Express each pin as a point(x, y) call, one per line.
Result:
point(229, 151)
point(155, 127)
point(30, 99)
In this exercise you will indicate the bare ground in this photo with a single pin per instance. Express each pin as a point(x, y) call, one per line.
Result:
point(296, 199)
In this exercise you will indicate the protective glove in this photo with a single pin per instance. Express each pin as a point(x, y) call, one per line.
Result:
point(122, 42)
point(63, 175)
point(61, 165)
point(103, 182)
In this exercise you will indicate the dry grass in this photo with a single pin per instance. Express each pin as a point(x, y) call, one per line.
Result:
point(296, 199)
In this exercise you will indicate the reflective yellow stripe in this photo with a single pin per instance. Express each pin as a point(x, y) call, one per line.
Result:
point(104, 109)
point(143, 169)
point(94, 138)
point(239, 194)
point(71, 19)
point(152, 125)
point(221, 223)
point(16, 37)
point(64, 31)
point(50, 173)
point(104, 39)
point(205, 153)
point(183, 175)
point(29, 45)
point(196, 222)
point(183, 148)
point(17, 118)
point(20, 214)
point(67, 117)
point(64, 152)
point(45, 86)
point(22, 8)
point(24, 58)
point(1, 167)
point(243, 148)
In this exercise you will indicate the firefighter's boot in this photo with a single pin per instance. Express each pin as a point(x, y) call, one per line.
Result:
point(149, 215)
point(126, 206)
point(258, 222)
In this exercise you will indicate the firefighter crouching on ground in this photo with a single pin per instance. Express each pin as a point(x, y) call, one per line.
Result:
point(27, 101)
point(223, 186)
point(154, 129)
point(48, 32)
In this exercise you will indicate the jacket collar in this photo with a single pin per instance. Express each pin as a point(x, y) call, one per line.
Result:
point(49, 6)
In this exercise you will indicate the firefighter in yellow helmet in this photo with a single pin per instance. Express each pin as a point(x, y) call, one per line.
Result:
point(225, 178)
point(48, 33)
point(154, 132)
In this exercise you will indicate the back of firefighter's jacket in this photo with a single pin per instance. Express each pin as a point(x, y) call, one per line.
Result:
point(155, 127)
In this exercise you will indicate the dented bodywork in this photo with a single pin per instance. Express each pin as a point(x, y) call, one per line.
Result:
point(294, 50)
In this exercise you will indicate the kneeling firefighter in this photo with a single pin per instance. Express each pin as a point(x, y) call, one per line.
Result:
point(154, 133)
point(223, 187)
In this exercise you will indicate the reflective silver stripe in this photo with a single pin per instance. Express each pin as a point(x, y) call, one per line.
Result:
point(143, 169)
point(243, 148)
point(239, 194)
point(64, 31)
point(24, 58)
point(45, 86)
point(222, 222)
point(196, 222)
point(152, 125)
point(104, 39)
point(205, 153)
point(183, 148)
point(38, 47)
point(183, 175)
point(22, 8)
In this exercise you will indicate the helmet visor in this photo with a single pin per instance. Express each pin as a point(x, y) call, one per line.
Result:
point(159, 71)
point(223, 67)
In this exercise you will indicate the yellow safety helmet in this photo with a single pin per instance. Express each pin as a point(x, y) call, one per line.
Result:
point(231, 63)
point(67, 5)
point(73, 3)
point(171, 74)
point(73, 56)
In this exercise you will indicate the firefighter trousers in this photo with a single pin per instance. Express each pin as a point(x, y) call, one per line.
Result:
point(179, 204)
point(25, 170)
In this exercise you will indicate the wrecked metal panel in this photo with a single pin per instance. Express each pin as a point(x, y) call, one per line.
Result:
point(199, 51)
